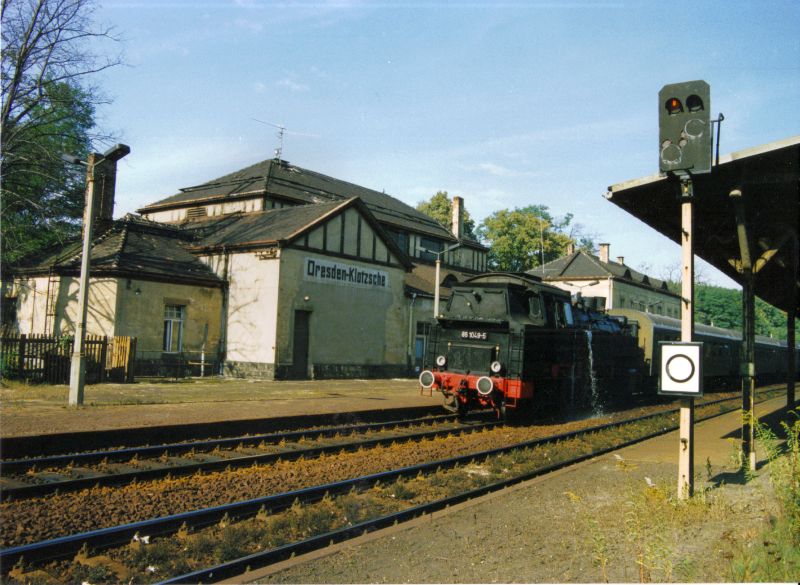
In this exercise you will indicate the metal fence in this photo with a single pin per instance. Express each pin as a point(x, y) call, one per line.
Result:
point(46, 358)
point(184, 364)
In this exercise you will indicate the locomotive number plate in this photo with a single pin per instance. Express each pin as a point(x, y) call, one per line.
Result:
point(479, 335)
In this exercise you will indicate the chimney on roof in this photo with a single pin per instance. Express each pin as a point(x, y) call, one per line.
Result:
point(604, 252)
point(570, 249)
point(458, 217)
point(102, 174)
point(620, 259)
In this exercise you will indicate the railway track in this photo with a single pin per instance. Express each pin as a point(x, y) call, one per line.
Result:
point(605, 438)
point(33, 477)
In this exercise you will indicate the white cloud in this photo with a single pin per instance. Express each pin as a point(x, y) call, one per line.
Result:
point(292, 85)
point(501, 171)
point(248, 24)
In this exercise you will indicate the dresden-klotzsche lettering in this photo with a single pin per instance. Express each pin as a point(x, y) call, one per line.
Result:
point(346, 274)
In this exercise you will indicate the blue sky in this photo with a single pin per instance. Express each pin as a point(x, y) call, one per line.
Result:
point(507, 104)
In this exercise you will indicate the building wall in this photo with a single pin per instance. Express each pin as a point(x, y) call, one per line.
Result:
point(348, 282)
point(251, 314)
point(141, 310)
point(627, 296)
point(621, 295)
point(356, 329)
point(33, 300)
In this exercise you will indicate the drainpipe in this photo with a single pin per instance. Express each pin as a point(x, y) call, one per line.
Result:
point(223, 318)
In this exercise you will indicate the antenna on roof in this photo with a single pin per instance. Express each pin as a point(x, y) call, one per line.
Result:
point(281, 131)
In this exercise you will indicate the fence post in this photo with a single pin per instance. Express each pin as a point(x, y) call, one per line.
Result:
point(103, 358)
point(21, 362)
point(131, 359)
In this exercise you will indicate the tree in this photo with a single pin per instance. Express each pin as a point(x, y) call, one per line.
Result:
point(440, 208)
point(48, 108)
point(521, 239)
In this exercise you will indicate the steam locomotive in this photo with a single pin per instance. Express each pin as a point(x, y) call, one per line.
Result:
point(511, 343)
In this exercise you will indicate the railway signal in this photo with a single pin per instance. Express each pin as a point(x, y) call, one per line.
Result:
point(684, 128)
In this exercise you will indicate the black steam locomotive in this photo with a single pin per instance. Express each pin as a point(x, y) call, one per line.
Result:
point(511, 343)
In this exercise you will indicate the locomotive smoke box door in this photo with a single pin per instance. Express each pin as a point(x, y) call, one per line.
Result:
point(681, 372)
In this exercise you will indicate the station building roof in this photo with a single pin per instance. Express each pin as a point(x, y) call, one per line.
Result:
point(281, 180)
point(581, 265)
point(768, 178)
point(132, 247)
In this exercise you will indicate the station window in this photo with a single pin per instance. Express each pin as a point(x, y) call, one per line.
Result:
point(174, 316)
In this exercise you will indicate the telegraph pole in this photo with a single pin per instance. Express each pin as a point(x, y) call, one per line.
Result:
point(77, 374)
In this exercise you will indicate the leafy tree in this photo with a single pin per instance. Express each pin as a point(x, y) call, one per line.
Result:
point(523, 238)
point(48, 108)
point(722, 307)
point(440, 208)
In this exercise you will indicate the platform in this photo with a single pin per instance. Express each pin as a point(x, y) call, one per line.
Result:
point(35, 410)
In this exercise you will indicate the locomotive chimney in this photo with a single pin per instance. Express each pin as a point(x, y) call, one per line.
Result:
point(458, 217)
point(604, 252)
point(620, 259)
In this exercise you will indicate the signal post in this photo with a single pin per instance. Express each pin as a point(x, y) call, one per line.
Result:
point(684, 125)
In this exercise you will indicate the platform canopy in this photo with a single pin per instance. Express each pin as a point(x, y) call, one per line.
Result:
point(768, 178)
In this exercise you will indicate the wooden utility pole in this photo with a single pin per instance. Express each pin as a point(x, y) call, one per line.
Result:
point(686, 448)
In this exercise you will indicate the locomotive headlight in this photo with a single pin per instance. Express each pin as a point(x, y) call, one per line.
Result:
point(441, 361)
point(496, 367)
point(484, 385)
point(427, 379)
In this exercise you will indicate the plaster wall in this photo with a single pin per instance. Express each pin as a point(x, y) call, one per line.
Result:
point(32, 305)
point(252, 311)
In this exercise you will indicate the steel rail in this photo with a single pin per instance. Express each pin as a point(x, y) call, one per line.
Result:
point(121, 535)
point(262, 559)
point(36, 490)
point(19, 466)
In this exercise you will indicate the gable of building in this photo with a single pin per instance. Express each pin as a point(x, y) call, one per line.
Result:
point(342, 228)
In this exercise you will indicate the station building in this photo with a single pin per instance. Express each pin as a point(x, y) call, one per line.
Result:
point(272, 271)
point(612, 283)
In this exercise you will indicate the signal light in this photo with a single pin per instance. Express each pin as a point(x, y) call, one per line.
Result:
point(674, 106)
point(684, 128)
point(695, 103)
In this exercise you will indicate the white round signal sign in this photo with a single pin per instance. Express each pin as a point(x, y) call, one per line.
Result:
point(681, 369)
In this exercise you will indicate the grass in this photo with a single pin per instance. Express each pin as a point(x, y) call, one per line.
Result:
point(774, 555)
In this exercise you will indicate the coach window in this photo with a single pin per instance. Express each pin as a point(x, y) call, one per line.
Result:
point(174, 316)
point(535, 304)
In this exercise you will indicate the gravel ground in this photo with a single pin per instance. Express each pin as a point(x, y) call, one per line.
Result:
point(594, 522)
point(578, 529)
